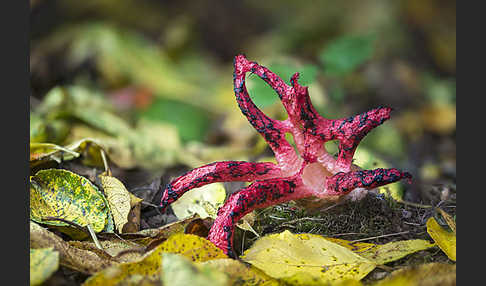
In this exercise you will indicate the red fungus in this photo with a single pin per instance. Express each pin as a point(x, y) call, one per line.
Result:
point(315, 173)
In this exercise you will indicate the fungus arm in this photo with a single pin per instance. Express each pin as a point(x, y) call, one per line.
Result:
point(343, 183)
point(260, 194)
point(226, 171)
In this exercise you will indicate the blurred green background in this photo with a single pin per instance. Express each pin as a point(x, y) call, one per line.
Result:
point(157, 76)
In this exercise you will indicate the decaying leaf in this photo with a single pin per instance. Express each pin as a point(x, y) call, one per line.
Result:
point(178, 270)
point(118, 250)
point(431, 274)
point(43, 263)
point(191, 246)
point(204, 201)
point(119, 199)
point(42, 152)
point(246, 222)
point(446, 240)
point(63, 194)
point(303, 259)
point(133, 224)
point(239, 273)
point(80, 260)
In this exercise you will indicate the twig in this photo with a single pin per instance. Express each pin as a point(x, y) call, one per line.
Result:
point(415, 204)
point(380, 236)
point(93, 236)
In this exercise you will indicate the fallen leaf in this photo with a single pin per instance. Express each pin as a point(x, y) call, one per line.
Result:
point(449, 220)
point(204, 201)
point(119, 199)
point(178, 270)
point(431, 274)
point(80, 260)
point(63, 194)
point(43, 152)
point(239, 273)
point(246, 222)
point(118, 250)
point(133, 224)
point(446, 240)
point(384, 253)
point(306, 258)
point(191, 246)
point(43, 263)
point(381, 254)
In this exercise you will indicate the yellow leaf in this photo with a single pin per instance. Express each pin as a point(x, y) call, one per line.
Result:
point(203, 201)
point(384, 253)
point(191, 246)
point(178, 270)
point(450, 221)
point(43, 263)
point(431, 274)
point(119, 199)
point(239, 273)
point(381, 254)
point(445, 240)
point(63, 194)
point(306, 258)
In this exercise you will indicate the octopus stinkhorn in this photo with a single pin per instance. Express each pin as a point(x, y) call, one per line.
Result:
point(310, 172)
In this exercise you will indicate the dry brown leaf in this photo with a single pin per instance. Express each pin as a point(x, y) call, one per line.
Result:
point(81, 260)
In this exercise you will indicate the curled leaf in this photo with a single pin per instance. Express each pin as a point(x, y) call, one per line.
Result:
point(118, 198)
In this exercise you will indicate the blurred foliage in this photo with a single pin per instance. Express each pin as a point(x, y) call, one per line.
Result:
point(169, 62)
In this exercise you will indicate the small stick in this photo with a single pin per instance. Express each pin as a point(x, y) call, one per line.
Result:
point(380, 236)
point(93, 236)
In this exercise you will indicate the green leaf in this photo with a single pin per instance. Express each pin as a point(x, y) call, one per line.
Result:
point(63, 194)
point(191, 121)
point(346, 53)
point(43, 263)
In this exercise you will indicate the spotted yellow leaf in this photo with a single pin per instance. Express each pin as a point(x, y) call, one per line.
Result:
point(446, 240)
point(65, 195)
point(191, 246)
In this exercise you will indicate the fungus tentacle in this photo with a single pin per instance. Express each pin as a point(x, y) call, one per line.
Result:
point(343, 183)
point(257, 195)
point(226, 171)
point(273, 131)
